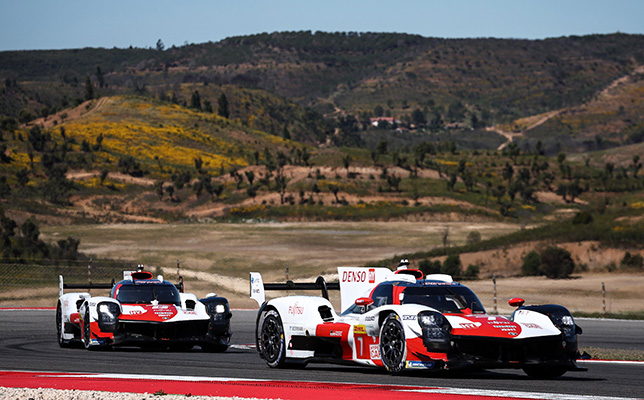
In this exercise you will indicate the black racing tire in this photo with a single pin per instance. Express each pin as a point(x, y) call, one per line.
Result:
point(214, 348)
point(87, 334)
point(544, 372)
point(86, 331)
point(393, 346)
point(60, 328)
point(272, 341)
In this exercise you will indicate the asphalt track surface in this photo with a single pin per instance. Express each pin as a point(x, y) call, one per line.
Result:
point(28, 343)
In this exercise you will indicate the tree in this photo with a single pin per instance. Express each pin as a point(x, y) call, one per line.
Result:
point(508, 172)
point(346, 161)
point(89, 89)
point(378, 111)
point(198, 164)
point(100, 77)
point(418, 117)
point(222, 102)
point(160, 46)
point(195, 100)
point(556, 263)
point(250, 176)
point(333, 188)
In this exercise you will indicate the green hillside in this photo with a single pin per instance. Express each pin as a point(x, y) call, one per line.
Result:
point(278, 126)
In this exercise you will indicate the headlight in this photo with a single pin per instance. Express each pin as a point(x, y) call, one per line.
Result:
point(108, 314)
point(435, 326)
point(219, 308)
point(564, 322)
point(436, 331)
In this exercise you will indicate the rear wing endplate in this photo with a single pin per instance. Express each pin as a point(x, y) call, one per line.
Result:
point(258, 287)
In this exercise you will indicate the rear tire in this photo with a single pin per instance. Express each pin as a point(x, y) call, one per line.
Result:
point(60, 328)
point(393, 346)
point(542, 372)
point(271, 340)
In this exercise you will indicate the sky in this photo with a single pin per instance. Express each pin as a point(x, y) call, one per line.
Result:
point(68, 24)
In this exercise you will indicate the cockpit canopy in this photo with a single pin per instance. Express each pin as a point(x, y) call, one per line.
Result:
point(448, 298)
point(163, 293)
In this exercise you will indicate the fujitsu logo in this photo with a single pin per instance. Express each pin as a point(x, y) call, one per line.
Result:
point(295, 309)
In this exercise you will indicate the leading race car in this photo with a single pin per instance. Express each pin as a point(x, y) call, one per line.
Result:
point(402, 321)
point(142, 311)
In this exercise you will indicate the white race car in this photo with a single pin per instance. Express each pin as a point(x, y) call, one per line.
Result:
point(402, 321)
point(142, 311)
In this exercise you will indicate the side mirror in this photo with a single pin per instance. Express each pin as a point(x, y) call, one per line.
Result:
point(364, 301)
point(516, 302)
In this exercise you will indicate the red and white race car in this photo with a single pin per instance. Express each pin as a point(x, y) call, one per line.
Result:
point(142, 311)
point(402, 321)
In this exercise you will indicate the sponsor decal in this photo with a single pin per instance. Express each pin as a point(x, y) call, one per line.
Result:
point(359, 330)
point(503, 325)
point(420, 364)
point(374, 351)
point(255, 290)
point(296, 328)
point(531, 325)
point(252, 279)
point(335, 333)
point(372, 275)
point(354, 276)
point(469, 325)
point(409, 318)
point(295, 309)
point(370, 318)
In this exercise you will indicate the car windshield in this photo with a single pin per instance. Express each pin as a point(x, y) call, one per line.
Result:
point(446, 299)
point(145, 294)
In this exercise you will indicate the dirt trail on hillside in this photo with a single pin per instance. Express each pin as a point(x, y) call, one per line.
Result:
point(85, 108)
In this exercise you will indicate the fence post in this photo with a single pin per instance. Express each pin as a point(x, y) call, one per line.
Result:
point(89, 271)
point(287, 273)
point(178, 268)
point(603, 300)
point(496, 311)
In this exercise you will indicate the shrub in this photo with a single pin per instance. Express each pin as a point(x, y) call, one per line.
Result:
point(556, 263)
point(429, 267)
point(452, 265)
point(582, 217)
point(531, 264)
point(632, 261)
point(472, 272)
point(473, 237)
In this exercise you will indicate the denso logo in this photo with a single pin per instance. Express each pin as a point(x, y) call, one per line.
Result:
point(295, 309)
point(355, 276)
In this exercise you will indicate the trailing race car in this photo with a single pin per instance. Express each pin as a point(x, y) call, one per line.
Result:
point(142, 311)
point(400, 321)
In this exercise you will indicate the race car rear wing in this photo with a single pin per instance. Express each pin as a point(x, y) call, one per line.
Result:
point(258, 287)
point(62, 286)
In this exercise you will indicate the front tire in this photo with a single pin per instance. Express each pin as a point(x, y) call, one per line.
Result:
point(393, 346)
point(87, 333)
point(271, 340)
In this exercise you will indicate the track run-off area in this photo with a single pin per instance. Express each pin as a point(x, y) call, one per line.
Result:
point(31, 358)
